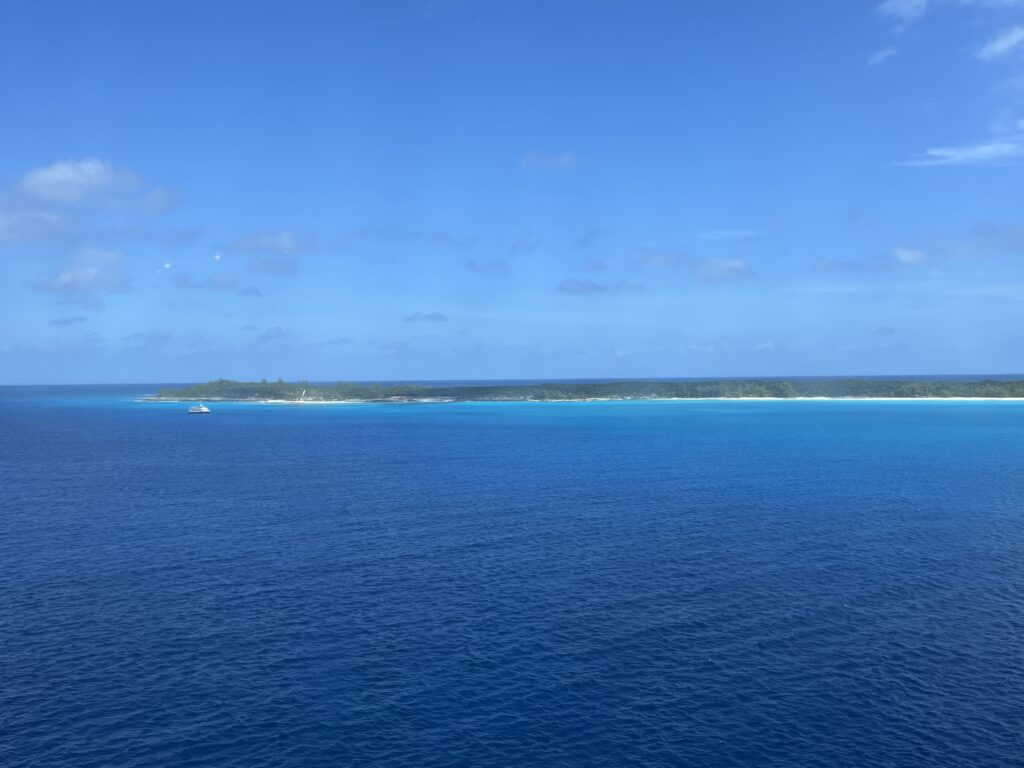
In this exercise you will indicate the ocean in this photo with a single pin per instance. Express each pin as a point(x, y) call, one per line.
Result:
point(755, 583)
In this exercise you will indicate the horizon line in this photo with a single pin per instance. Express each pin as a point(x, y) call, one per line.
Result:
point(525, 380)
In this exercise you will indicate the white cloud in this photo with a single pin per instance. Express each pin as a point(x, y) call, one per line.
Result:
point(273, 334)
point(229, 282)
point(881, 55)
point(1002, 44)
point(995, 4)
point(1006, 125)
point(73, 200)
point(525, 243)
point(588, 287)
point(283, 242)
point(661, 258)
point(910, 256)
point(593, 235)
point(426, 317)
point(969, 155)
point(282, 266)
point(19, 225)
point(496, 266)
point(157, 200)
point(851, 266)
point(903, 10)
point(990, 238)
point(90, 273)
point(720, 270)
point(907, 11)
point(704, 349)
point(386, 236)
point(76, 181)
point(67, 320)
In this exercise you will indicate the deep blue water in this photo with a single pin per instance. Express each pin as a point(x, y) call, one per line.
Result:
point(575, 584)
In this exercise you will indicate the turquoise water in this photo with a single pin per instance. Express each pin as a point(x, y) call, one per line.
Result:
point(548, 584)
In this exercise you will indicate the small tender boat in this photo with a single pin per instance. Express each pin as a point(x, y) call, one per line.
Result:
point(199, 409)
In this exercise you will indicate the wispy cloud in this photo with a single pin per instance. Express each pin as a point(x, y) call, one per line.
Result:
point(991, 239)
point(228, 282)
point(147, 340)
point(708, 270)
point(73, 181)
point(426, 317)
point(496, 266)
point(903, 10)
point(898, 256)
point(282, 266)
point(973, 154)
point(588, 287)
point(283, 242)
point(95, 182)
point(718, 270)
point(351, 238)
point(524, 243)
point(881, 55)
point(851, 266)
point(592, 235)
point(87, 276)
point(562, 161)
point(400, 347)
point(1002, 44)
point(177, 237)
point(700, 349)
point(20, 224)
point(274, 334)
point(829, 288)
point(910, 256)
point(67, 320)
point(661, 258)
point(907, 11)
point(85, 203)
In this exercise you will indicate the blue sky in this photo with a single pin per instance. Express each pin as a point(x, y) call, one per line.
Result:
point(464, 189)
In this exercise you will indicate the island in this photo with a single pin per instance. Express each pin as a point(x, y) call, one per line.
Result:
point(669, 389)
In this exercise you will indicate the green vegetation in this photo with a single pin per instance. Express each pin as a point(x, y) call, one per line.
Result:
point(225, 389)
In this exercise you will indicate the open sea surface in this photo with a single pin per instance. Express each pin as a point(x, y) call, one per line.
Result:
point(794, 583)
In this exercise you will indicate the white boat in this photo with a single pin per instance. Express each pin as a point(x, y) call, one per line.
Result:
point(199, 409)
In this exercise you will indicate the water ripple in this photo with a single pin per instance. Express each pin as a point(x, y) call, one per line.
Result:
point(543, 585)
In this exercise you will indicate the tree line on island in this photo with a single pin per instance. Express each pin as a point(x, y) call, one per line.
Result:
point(226, 389)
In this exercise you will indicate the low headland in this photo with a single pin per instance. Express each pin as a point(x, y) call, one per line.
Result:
point(696, 389)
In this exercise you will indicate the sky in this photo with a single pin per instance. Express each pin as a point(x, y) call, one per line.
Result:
point(463, 189)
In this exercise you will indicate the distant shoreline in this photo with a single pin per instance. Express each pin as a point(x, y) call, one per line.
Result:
point(427, 401)
point(226, 390)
